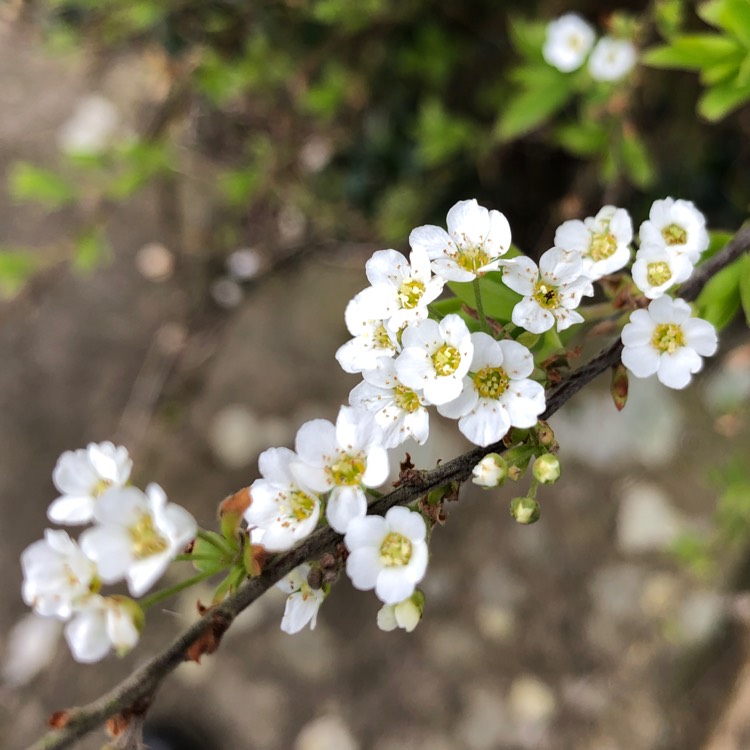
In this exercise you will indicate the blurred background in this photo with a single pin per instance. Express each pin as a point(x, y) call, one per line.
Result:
point(190, 192)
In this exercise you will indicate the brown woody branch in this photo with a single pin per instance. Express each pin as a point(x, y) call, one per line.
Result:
point(139, 688)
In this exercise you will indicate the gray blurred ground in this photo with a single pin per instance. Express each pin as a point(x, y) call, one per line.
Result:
point(579, 632)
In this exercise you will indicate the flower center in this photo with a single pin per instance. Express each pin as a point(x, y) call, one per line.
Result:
point(668, 338)
point(395, 550)
point(603, 246)
point(147, 541)
point(491, 382)
point(348, 470)
point(100, 487)
point(658, 273)
point(472, 258)
point(674, 234)
point(410, 292)
point(299, 505)
point(406, 398)
point(381, 339)
point(446, 360)
point(547, 296)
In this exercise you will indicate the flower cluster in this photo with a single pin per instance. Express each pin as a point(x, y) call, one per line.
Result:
point(570, 41)
point(134, 537)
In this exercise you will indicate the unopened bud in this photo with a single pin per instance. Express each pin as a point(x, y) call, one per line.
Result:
point(405, 614)
point(619, 386)
point(491, 471)
point(546, 468)
point(545, 435)
point(525, 510)
point(515, 473)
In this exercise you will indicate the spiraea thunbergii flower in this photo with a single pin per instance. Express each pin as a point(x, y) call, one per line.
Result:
point(303, 602)
point(677, 225)
point(475, 242)
point(82, 476)
point(612, 59)
point(344, 459)
point(658, 268)
point(372, 340)
point(665, 341)
point(136, 536)
point(568, 42)
point(388, 554)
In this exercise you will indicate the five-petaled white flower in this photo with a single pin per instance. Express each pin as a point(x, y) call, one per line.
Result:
point(551, 291)
point(612, 59)
point(387, 553)
point(401, 289)
point(602, 241)
point(285, 511)
point(473, 245)
point(497, 393)
point(678, 225)
point(664, 340)
point(372, 340)
point(343, 459)
point(56, 574)
point(657, 268)
point(84, 475)
point(303, 602)
point(569, 39)
point(400, 411)
point(137, 535)
point(102, 623)
point(435, 358)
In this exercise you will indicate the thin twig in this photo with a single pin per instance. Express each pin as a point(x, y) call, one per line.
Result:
point(142, 684)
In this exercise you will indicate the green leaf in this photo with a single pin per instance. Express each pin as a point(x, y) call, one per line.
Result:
point(717, 240)
point(720, 100)
point(443, 307)
point(15, 268)
point(719, 301)
point(90, 248)
point(693, 52)
point(581, 138)
point(497, 299)
point(29, 183)
point(529, 108)
point(720, 71)
point(744, 284)
point(636, 160)
point(208, 557)
point(527, 37)
point(731, 15)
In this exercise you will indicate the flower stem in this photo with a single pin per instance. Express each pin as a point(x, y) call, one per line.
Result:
point(480, 306)
point(159, 596)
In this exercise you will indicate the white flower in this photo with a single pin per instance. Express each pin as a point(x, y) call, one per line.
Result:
point(401, 289)
point(82, 476)
point(657, 268)
point(372, 340)
point(388, 554)
point(497, 393)
point(343, 459)
point(551, 291)
point(91, 127)
point(398, 410)
point(569, 40)
point(303, 602)
point(612, 59)
point(285, 511)
point(602, 241)
point(56, 573)
point(472, 246)
point(435, 358)
point(101, 624)
point(405, 614)
point(678, 225)
point(490, 472)
point(137, 536)
point(664, 340)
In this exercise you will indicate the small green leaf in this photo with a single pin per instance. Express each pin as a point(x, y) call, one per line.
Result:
point(581, 138)
point(443, 307)
point(731, 15)
point(207, 558)
point(29, 183)
point(15, 268)
point(90, 248)
point(719, 301)
point(721, 99)
point(744, 285)
point(527, 37)
point(636, 160)
point(693, 52)
point(497, 299)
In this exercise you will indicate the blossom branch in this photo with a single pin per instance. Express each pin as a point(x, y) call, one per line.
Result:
point(135, 693)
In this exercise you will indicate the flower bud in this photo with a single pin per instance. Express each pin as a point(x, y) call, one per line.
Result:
point(545, 435)
point(525, 510)
point(618, 388)
point(491, 471)
point(547, 468)
point(405, 614)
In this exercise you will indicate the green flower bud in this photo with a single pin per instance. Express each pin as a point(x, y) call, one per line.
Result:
point(547, 468)
point(525, 510)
